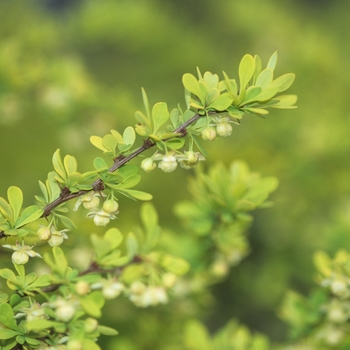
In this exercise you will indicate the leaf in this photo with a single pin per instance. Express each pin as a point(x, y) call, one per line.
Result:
point(283, 82)
point(191, 84)
point(259, 111)
point(246, 70)
point(58, 165)
point(146, 103)
point(197, 337)
point(160, 115)
point(8, 333)
point(285, 101)
point(70, 164)
point(258, 68)
point(175, 143)
point(38, 325)
point(8, 274)
point(267, 94)
point(106, 330)
point(251, 94)
point(141, 118)
point(129, 136)
point(231, 85)
point(6, 211)
point(272, 61)
point(135, 194)
point(60, 260)
point(114, 237)
point(132, 244)
point(7, 317)
point(265, 78)
point(92, 303)
point(117, 136)
point(100, 164)
point(210, 80)
point(222, 102)
point(101, 246)
point(66, 221)
point(15, 197)
point(176, 265)
point(110, 143)
point(149, 216)
point(29, 215)
point(97, 142)
point(132, 273)
point(130, 181)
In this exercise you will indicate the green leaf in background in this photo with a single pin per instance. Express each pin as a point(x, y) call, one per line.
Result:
point(114, 237)
point(176, 265)
point(106, 330)
point(92, 303)
point(246, 70)
point(196, 336)
point(132, 244)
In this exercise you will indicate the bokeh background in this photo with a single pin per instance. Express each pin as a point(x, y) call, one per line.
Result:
point(71, 69)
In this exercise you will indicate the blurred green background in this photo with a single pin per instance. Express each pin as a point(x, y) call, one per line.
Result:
point(72, 69)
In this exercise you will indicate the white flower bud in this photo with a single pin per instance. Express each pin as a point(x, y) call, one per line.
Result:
point(209, 134)
point(65, 312)
point(44, 233)
point(224, 129)
point(57, 237)
point(112, 290)
point(148, 165)
point(90, 201)
point(168, 163)
point(110, 206)
point(20, 258)
point(82, 287)
point(339, 287)
point(101, 218)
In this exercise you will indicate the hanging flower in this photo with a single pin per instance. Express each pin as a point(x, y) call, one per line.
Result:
point(89, 201)
point(21, 253)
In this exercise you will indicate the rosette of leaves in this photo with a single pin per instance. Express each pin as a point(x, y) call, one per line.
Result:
point(13, 217)
point(256, 91)
point(222, 201)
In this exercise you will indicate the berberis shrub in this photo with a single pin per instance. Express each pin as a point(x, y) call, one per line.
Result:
point(51, 304)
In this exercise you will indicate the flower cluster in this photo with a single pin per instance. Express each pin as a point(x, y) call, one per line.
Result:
point(143, 295)
point(101, 216)
point(52, 235)
point(168, 162)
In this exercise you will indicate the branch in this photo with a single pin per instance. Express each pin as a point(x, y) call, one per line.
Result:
point(97, 186)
